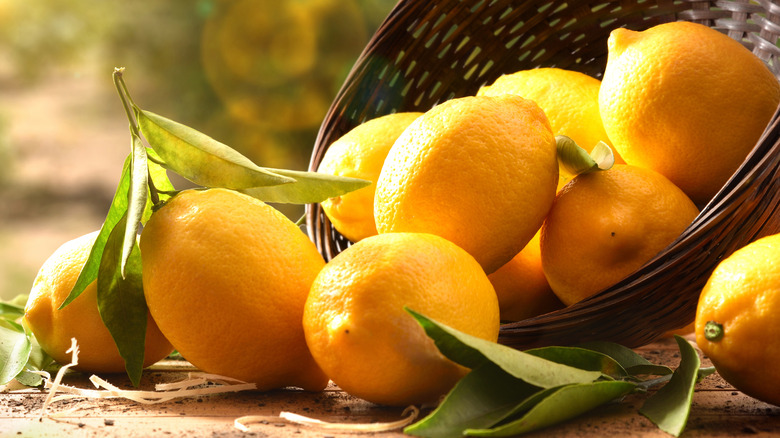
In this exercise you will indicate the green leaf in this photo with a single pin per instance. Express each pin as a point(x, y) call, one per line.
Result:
point(200, 158)
point(670, 406)
point(472, 352)
point(576, 160)
point(581, 358)
point(38, 361)
point(136, 199)
point(630, 360)
point(308, 188)
point(121, 302)
point(158, 176)
point(11, 311)
point(15, 350)
point(479, 400)
point(559, 405)
point(116, 211)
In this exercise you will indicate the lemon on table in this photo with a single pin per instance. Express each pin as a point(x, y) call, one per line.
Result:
point(604, 225)
point(364, 340)
point(521, 287)
point(570, 100)
point(54, 327)
point(479, 171)
point(226, 277)
point(686, 101)
point(736, 319)
point(360, 153)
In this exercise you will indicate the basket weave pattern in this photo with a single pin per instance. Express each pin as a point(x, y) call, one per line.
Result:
point(429, 52)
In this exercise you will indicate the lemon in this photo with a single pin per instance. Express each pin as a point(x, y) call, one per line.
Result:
point(686, 101)
point(521, 287)
point(479, 171)
point(226, 277)
point(736, 319)
point(570, 100)
point(54, 327)
point(364, 340)
point(605, 225)
point(360, 153)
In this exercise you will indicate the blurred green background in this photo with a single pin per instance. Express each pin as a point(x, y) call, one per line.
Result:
point(258, 75)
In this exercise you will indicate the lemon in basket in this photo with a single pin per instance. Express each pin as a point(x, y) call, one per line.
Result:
point(479, 171)
point(54, 327)
point(360, 153)
point(521, 287)
point(606, 224)
point(687, 101)
point(570, 100)
point(736, 319)
point(364, 340)
point(226, 277)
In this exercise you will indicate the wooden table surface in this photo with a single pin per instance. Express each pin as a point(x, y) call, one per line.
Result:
point(718, 411)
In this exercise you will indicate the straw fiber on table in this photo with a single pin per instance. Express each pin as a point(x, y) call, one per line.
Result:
point(428, 52)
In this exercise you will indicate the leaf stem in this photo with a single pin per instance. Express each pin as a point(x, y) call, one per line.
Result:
point(152, 189)
point(127, 101)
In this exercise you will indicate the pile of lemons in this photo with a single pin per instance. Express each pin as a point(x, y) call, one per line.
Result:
point(469, 221)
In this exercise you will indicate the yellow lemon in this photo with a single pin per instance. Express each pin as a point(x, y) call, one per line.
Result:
point(54, 327)
point(360, 153)
point(226, 277)
point(479, 171)
point(521, 287)
point(686, 101)
point(736, 319)
point(570, 100)
point(605, 225)
point(364, 340)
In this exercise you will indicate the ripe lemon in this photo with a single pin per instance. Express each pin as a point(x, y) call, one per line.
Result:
point(570, 100)
point(687, 101)
point(604, 225)
point(226, 277)
point(360, 153)
point(54, 327)
point(736, 319)
point(360, 334)
point(521, 287)
point(479, 171)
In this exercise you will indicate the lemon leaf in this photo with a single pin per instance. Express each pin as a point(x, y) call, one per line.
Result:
point(670, 406)
point(121, 301)
point(200, 158)
point(581, 358)
point(308, 188)
point(116, 211)
point(158, 177)
point(472, 352)
point(11, 310)
point(15, 348)
point(481, 399)
point(559, 405)
point(136, 199)
point(632, 362)
point(38, 360)
point(575, 160)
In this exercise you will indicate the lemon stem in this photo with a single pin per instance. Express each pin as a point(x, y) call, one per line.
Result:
point(575, 160)
point(128, 104)
point(713, 331)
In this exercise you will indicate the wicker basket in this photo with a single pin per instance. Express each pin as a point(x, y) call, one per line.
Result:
point(428, 52)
